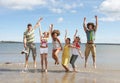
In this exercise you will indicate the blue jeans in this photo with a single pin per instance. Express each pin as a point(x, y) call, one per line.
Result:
point(73, 59)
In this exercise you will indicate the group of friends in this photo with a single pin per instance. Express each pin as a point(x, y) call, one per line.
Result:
point(29, 38)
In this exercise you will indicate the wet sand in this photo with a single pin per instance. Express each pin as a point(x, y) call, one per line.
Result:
point(13, 73)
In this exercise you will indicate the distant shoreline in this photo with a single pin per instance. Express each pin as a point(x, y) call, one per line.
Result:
point(49, 43)
point(10, 42)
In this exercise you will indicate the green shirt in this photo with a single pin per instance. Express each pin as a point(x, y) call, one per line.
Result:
point(30, 36)
point(90, 35)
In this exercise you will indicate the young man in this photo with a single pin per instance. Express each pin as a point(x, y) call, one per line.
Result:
point(29, 44)
point(90, 30)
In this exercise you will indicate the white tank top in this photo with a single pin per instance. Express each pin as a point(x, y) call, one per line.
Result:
point(55, 44)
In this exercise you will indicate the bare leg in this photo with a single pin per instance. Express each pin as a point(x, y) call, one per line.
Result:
point(53, 55)
point(80, 53)
point(34, 61)
point(94, 62)
point(56, 56)
point(42, 61)
point(46, 62)
point(26, 61)
point(66, 68)
point(86, 58)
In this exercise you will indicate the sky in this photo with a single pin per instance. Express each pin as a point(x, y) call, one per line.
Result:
point(64, 14)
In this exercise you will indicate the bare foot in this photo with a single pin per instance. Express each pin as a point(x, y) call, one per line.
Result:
point(57, 62)
point(46, 70)
point(94, 65)
point(42, 70)
point(85, 65)
point(67, 70)
point(35, 65)
point(26, 66)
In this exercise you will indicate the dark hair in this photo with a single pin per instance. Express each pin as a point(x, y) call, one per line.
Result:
point(29, 25)
point(56, 31)
point(69, 39)
point(90, 23)
point(78, 38)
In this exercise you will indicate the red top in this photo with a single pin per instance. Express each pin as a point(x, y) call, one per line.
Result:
point(77, 45)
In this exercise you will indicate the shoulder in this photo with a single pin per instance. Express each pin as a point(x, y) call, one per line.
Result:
point(25, 32)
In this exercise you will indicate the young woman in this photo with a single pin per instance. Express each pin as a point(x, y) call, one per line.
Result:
point(66, 53)
point(77, 43)
point(75, 51)
point(57, 46)
point(44, 48)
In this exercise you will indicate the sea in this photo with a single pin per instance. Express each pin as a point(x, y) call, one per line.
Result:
point(107, 55)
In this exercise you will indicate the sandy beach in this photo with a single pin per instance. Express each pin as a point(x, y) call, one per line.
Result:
point(14, 73)
point(108, 67)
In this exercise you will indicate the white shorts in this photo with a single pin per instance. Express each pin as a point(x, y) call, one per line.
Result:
point(43, 50)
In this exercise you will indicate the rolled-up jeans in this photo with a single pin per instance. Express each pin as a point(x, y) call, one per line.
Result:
point(31, 47)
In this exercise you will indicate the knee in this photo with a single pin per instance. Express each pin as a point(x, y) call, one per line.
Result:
point(94, 56)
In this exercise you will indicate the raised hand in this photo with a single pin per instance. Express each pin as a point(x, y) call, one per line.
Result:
point(40, 19)
point(76, 30)
point(38, 23)
point(84, 19)
point(96, 17)
point(51, 25)
point(66, 31)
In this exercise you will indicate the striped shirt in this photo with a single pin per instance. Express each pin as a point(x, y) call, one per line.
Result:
point(30, 36)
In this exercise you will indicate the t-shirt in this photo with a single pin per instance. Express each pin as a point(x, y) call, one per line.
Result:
point(75, 51)
point(30, 36)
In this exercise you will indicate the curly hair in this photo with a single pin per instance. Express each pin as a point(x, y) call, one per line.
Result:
point(55, 31)
point(90, 23)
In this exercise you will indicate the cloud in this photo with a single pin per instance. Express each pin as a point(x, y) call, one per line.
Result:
point(21, 4)
point(56, 10)
point(110, 19)
point(60, 20)
point(55, 6)
point(110, 8)
point(73, 11)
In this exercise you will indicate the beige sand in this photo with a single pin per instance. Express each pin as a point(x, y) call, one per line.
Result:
point(12, 73)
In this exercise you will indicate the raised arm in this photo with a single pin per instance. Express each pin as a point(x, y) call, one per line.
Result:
point(51, 28)
point(38, 23)
point(96, 25)
point(40, 32)
point(65, 34)
point(84, 24)
point(50, 31)
point(75, 33)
